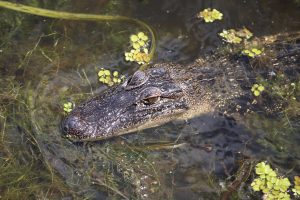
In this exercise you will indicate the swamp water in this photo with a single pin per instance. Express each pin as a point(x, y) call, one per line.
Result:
point(47, 62)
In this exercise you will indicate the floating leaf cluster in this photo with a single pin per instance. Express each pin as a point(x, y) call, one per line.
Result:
point(252, 52)
point(137, 56)
point(210, 15)
point(236, 36)
point(296, 189)
point(257, 89)
point(139, 52)
point(270, 184)
point(68, 107)
point(106, 77)
point(285, 89)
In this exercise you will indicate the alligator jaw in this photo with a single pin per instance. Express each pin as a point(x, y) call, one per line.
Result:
point(181, 115)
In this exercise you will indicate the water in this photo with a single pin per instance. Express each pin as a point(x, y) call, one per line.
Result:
point(47, 62)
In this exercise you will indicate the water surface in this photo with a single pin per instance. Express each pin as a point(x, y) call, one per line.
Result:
point(47, 62)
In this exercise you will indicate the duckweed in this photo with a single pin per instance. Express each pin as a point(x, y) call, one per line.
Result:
point(244, 33)
point(138, 40)
point(106, 77)
point(137, 56)
point(252, 52)
point(296, 189)
point(68, 107)
point(230, 36)
point(236, 36)
point(269, 183)
point(257, 89)
point(139, 52)
point(210, 15)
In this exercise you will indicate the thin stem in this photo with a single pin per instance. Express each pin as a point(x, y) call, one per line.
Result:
point(78, 16)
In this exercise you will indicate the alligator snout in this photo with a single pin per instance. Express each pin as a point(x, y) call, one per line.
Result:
point(69, 124)
point(73, 126)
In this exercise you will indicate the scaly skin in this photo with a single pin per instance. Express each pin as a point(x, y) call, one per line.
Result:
point(168, 91)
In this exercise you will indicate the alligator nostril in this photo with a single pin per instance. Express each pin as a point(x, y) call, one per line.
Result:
point(65, 128)
point(72, 123)
point(74, 127)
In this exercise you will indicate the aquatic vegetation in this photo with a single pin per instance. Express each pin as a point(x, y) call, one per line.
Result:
point(269, 183)
point(139, 40)
point(126, 172)
point(272, 185)
point(137, 56)
point(286, 90)
point(257, 89)
point(241, 176)
point(244, 33)
point(283, 87)
point(296, 189)
point(30, 180)
point(230, 36)
point(24, 174)
point(210, 15)
point(68, 107)
point(236, 36)
point(135, 168)
point(139, 52)
point(79, 16)
point(106, 77)
point(252, 52)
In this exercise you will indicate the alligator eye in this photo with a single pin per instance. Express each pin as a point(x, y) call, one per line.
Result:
point(137, 79)
point(150, 95)
point(151, 100)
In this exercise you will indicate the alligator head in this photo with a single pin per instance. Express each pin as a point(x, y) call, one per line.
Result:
point(146, 99)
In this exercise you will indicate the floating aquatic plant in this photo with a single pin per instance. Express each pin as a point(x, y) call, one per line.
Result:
point(139, 52)
point(296, 189)
point(210, 15)
point(137, 56)
point(236, 36)
point(139, 40)
point(244, 33)
point(79, 16)
point(280, 85)
point(230, 36)
point(68, 107)
point(273, 186)
point(252, 52)
point(106, 77)
point(257, 89)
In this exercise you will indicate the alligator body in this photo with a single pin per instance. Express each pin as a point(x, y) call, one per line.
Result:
point(168, 91)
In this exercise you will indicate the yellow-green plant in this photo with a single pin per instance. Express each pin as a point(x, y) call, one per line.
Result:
point(210, 15)
point(257, 89)
point(296, 189)
point(139, 52)
point(236, 36)
point(281, 86)
point(273, 187)
point(252, 52)
point(68, 107)
point(82, 16)
point(139, 40)
point(109, 78)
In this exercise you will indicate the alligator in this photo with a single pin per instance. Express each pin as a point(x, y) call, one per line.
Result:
point(168, 91)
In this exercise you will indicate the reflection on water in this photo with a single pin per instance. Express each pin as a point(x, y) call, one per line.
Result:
point(46, 62)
